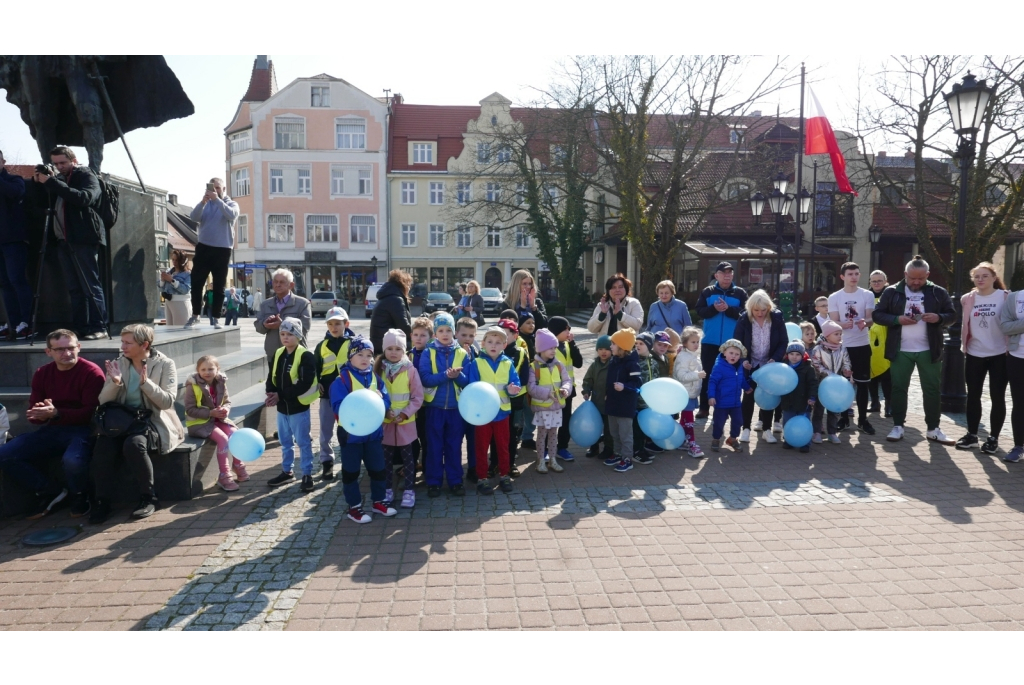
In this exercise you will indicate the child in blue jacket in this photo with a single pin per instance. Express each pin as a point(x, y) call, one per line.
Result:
point(442, 372)
point(621, 394)
point(356, 374)
point(726, 385)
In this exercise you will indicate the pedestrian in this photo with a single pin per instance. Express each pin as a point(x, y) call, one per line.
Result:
point(549, 386)
point(522, 297)
point(727, 384)
point(719, 305)
point(761, 329)
point(176, 285)
point(595, 382)
point(329, 356)
point(689, 370)
point(569, 354)
point(495, 369)
point(667, 313)
point(402, 381)
point(521, 361)
point(465, 336)
point(617, 309)
point(216, 214)
point(820, 313)
point(1011, 323)
point(881, 378)
point(527, 333)
point(851, 308)
point(829, 357)
point(915, 311)
point(443, 375)
point(207, 407)
point(802, 399)
point(984, 346)
point(292, 387)
point(621, 394)
point(231, 305)
point(285, 303)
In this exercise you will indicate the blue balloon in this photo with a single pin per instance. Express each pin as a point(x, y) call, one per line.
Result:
point(797, 431)
point(361, 412)
point(479, 403)
point(674, 441)
point(793, 331)
point(246, 444)
point(765, 399)
point(586, 425)
point(667, 394)
point(656, 426)
point(778, 379)
point(835, 393)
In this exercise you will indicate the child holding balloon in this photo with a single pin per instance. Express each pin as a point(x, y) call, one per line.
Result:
point(621, 394)
point(357, 450)
point(829, 357)
point(494, 368)
point(207, 406)
point(689, 370)
point(595, 389)
point(726, 386)
point(549, 385)
point(406, 392)
point(803, 397)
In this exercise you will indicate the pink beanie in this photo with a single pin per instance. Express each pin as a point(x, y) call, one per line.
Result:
point(545, 340)
point(830, 327)
point(395, 337)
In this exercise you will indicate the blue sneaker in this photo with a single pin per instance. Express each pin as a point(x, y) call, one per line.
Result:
point(624, 465)
point(1013, 456)
point(565, 455)
point(612, 460)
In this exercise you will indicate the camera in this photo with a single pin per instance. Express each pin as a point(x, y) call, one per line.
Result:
point(46, 169)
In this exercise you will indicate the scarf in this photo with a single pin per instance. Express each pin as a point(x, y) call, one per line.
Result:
point(392, 368)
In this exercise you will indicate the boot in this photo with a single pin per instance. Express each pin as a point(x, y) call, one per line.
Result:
point(542, 466)
point(554, 465)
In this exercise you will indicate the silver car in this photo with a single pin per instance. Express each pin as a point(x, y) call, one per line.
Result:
point(324, 300)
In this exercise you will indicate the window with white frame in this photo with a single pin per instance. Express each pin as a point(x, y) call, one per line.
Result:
point(242, 229)
point(493, 192)
point(735, 136)
point(463, 192)
point(437, 192)
point(408, 192)
point(350, 134)
point(504, 154)
point(280, 228)
point(321, 228)
point(551, 194)
point(483, 153)
point(305, 182)
point(320, 96)
point(408, 235)
point(520, 194)
point(522, 236)
point(436, 232)
point(365, 182)
point(363, 229)
point(558, 155)
point(289, 134)
point(241, 182)
point(241, 141)
point(277, 181)
point(464, 236)
point(422, 153)
point(493, 236)
point(337, 181)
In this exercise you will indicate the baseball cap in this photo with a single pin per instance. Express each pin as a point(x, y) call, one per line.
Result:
point(723, 266)
point(337, 314)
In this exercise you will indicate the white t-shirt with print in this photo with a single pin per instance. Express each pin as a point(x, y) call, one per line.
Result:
point(914, 338)
point(1019, 352)
point(853, 307)
point(986, 338)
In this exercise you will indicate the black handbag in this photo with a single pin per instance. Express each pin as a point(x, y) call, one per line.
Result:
point(116, 420)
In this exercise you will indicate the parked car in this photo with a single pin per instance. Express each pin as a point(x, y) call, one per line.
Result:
point(323, 300)
point(438, 302)
point(494, 301)
point(371, 299)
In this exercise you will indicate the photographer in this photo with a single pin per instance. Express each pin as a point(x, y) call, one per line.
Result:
point(17, 293)
point(216, 215)
point(80, 233)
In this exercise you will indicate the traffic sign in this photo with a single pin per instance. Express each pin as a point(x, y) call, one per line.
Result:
point(248, 272)
point(246, 265)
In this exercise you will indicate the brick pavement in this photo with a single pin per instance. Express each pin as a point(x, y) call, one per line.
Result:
point(866, 534)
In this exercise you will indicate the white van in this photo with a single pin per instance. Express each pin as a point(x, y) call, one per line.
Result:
point(371, 299)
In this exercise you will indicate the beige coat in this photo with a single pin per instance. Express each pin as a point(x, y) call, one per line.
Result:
point(686, 369)
point(632, 317)
point(158, 393)
point(202, 411)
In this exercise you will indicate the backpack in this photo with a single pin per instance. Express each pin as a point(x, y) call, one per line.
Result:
point(110, 201)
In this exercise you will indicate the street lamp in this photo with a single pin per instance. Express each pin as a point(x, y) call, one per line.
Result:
point(874, 234)
point(967, 103)
point(780, 203)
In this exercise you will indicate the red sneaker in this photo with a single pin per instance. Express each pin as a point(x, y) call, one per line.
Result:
point(384, 509)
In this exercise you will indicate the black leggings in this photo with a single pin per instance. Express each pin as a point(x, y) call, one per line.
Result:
point(883, 381)
point(106, 458)
point(1015, 371)
point(209, 260)
point(860, 364)
point(765, 416)
point(975, 369)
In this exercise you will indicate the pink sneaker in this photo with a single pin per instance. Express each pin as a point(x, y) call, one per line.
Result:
point(241, 475)
point(226, 483)
point(408, 499)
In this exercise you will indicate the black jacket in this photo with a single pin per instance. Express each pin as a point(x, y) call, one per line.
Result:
point(569, 349)
point(81, 193)
point(521, 361)
point(281, 382)
point(806, 389)
point(777, 341)
point(12, 208)
point(391, 311)
point(892, 305)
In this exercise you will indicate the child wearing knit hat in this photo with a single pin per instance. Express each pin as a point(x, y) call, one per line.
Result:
point(406, 390)
point(548, 386)
point(726, 385)
point(621, 393)
point(802, 399)
point(291, 387)
point(595, 383)
point(689, 370)
point(829, 357)
point(569, 354)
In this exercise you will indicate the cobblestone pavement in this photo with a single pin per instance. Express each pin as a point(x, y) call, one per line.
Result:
point(865, 534)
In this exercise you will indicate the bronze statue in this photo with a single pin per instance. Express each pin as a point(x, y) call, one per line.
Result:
point(67, 99)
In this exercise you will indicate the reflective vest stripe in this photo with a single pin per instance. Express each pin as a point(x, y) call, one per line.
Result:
point(499, 379)
point(520, 355)
point(330, 360)
point(400, 392)
point(551, 377)
point(457, 358)
point(313, 392)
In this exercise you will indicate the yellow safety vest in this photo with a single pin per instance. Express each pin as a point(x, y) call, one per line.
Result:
point(400, 393)
point(551, 377)
point(199, 402)
point(331, 360)
point(499, 379)
point(566, 360)
point(520, 354)
point(310, 394)
point(457, 359)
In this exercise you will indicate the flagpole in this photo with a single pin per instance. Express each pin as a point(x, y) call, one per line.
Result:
point(799, 187)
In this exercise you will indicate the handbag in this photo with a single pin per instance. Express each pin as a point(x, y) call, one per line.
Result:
point(116, 420)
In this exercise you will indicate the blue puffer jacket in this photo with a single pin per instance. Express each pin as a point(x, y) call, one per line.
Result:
point(625, 370)
point(445, 397)
point(718, 326)
point(727, 383)
point(340, 389)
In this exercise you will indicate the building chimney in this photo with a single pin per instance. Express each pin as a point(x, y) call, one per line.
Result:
point(172, 199)
point(880, 154)
point(756, 113)
point(909, 154)
point(397, 99)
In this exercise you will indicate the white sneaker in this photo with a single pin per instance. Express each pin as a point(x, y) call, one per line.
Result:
point(770, 437)
point(816, 438)
point(895, 434)
point(756, 426)
point(834, 439)
point(777, 427)
point(191, 323)
point(216, 324)
point(745, 435)
point(938, 436)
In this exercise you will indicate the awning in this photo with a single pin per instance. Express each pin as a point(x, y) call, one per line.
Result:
point(754, 249)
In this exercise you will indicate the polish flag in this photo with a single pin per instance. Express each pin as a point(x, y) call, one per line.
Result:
point(822, 140)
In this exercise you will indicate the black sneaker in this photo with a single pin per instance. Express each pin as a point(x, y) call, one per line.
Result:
point(991, 445)
point(492, 471)
point(968, 442)
point(651, 447)
point(843, 423)
point(281, 479)
point(307, 484)
point(100, 512)
point(866, 426)
point(484, 488)
point(888, 411)
point(593, 451)
point(434, 491)
point(48, 502)
point(471, 476)
point(458, 490)
point(805, 449)
point(327, 472)
point(786, 445)
point(529, 444)
point(506, 484)
point(643, 457)
point(80, 505)
point(146, 508)
point(514, 471)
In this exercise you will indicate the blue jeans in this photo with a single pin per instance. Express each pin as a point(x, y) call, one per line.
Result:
point(293, 429)
point(445, 428)
point(231, 317)
point(70, 443)
point(14, 283)
point(355, 454)
point(327, 426)
point(735, 416)
point(80, 264)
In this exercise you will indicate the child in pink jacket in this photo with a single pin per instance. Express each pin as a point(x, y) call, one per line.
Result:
point(549, 385)
point(406, 392)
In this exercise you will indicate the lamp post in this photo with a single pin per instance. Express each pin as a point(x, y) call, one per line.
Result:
point(780, 202)
point(967, 103)
point(874, 234)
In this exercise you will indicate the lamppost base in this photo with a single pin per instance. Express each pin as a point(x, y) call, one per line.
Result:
point(954, 391)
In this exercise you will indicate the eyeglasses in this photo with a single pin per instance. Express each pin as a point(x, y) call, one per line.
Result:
point(62, 350)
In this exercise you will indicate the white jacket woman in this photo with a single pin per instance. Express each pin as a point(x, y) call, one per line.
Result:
point(686, 370)
point(631, 315)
